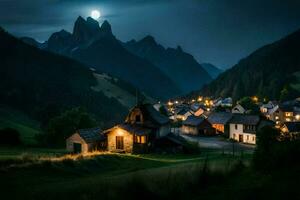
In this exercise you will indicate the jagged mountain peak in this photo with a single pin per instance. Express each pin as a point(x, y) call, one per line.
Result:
point(106, 29)
point(148, 40)
point(179, 48)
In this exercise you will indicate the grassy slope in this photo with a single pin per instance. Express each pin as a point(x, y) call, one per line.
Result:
point(28, 128)
point(111, 90)
point(106, 173)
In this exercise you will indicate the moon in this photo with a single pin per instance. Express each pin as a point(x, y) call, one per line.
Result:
point(95, 14)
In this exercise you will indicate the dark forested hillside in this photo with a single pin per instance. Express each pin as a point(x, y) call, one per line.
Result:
point(271, 72)
point(39, 83)
point(179, 66)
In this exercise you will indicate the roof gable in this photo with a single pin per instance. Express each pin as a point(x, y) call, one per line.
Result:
point(91, 135)
point(219, 117)
point(194, 120)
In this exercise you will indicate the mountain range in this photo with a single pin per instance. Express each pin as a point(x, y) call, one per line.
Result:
point(272, 72)
point(159, 72)
point(181, 67)
point(41, 84)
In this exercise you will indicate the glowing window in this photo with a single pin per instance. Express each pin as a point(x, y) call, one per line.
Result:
point(140, 139)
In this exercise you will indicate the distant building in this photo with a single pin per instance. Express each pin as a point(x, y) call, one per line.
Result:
point(220, 121)
point(183, 114)
point(242, 128)
point(86, 140)
point(197, 109)
point(291, 128)
point(194, 125)
point(285, 113)
point(238, 109)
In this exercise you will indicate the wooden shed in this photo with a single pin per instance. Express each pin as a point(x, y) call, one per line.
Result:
point(86, 140)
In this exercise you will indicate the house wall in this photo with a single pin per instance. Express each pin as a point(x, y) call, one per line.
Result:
point(189, 130)
point(128, 140)
point(219, 127)
point(75, 138)
point(234, 133)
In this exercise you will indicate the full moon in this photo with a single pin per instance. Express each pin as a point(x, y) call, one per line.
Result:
point(95, 14)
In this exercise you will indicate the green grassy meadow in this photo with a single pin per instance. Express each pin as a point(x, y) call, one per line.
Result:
point(28, 128)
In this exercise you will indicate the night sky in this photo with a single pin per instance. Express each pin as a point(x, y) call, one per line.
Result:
point(217, 31)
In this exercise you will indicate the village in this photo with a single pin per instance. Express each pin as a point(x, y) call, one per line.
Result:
point(213, 123)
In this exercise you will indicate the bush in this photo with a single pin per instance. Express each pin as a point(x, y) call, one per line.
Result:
point(273, 153)
point(9, 136)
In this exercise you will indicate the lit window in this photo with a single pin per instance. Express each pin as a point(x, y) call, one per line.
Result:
point(288, 119)
point(288, 114)
point(140, 139)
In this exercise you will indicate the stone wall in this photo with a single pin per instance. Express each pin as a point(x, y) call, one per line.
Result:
point(111, 140)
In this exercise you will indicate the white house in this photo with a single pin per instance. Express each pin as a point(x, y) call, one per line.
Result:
point(242, 128)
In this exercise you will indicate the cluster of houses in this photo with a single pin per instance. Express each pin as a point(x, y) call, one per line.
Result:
point(144, 130)
point(202, 118)
point(147, 129)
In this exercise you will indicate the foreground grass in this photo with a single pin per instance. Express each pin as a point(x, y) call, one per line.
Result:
point(122, 176)
point(109, 173)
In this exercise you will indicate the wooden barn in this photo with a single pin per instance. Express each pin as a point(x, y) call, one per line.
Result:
point(142, 127)
point(86, 140)
point(194, 125)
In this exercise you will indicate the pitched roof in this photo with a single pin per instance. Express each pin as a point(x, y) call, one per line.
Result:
point(286, 108)
point(293, 126)
point(219, 117)
point(193, 120)
point(91, 135)
point(138, 130)
point(244, 119)
point(183, 111)
point(153, 115)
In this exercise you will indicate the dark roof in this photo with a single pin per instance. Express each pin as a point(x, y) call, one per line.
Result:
point(293, 126)
point(219, 117)
point(183, 111)
point(286, 108)
point(152, 115)
point(193, 120)
point(91, 135)
point(244, 119)
point(138, 130)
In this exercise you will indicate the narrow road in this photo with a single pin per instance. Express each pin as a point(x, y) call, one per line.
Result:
point(217, 142)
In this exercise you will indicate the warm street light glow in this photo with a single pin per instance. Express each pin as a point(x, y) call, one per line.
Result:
point(255, 98)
